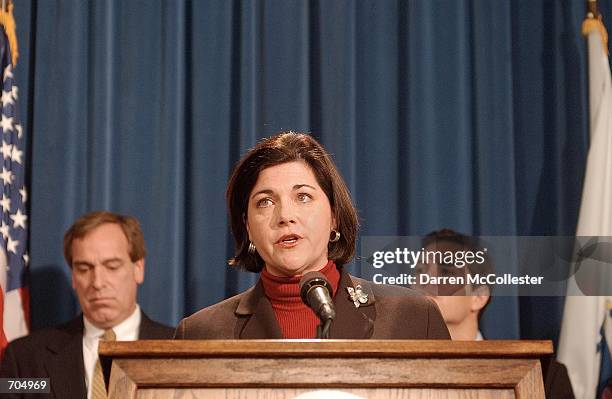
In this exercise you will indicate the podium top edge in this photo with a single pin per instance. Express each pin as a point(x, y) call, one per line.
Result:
point(327, 348)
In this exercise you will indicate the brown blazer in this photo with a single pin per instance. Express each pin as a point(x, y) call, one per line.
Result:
point(390, 313)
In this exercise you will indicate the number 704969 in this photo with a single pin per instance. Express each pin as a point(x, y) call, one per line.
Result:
point(24, 385)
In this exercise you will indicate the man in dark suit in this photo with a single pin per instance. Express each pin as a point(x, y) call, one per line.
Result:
point(462, 305)
point(106, 254)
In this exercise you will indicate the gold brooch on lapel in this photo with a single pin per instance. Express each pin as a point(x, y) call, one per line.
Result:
point(357, 295)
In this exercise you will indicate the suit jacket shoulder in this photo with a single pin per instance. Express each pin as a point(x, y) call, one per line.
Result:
point(55, 353)
point(213, 322)
point(557, 384)
point(150, 329)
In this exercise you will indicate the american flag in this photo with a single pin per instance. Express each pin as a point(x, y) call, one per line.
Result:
point(14, 295)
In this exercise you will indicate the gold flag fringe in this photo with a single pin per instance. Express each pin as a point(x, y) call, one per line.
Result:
point(7, 20)
point(592, 23)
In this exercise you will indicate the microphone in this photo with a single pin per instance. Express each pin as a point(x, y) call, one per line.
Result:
point(316, 292)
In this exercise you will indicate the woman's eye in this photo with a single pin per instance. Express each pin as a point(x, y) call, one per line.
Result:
point(264, 202)
point(303, 197)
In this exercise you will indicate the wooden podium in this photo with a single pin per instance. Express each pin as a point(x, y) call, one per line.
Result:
point(288, 368)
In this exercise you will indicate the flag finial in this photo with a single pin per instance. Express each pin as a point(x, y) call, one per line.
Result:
point(592, 21)
point(592, 8)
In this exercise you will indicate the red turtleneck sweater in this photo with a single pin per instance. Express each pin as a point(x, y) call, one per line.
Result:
point(296, 320)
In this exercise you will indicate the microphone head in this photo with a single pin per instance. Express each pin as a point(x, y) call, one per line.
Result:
point(311, 280)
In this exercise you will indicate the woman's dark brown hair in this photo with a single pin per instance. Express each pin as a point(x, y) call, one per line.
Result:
point(282, 148)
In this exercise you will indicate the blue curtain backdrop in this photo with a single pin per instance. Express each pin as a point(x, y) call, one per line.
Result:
point(450, 113)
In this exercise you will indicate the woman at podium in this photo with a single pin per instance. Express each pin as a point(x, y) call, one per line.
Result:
point(295, 224)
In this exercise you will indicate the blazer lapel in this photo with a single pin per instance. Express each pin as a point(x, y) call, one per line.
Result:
point(64, 363)
point(256, 318)
point(352, 322)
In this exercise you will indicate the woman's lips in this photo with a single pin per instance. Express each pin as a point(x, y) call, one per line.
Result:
point(288, 241)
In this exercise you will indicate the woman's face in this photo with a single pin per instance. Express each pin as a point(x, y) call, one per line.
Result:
point(289, 219)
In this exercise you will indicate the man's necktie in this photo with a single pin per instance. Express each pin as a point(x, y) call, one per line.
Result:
point(98, 388)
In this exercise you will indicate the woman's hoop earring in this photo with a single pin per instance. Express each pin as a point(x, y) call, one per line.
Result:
point(336, 236)
point(252, 249)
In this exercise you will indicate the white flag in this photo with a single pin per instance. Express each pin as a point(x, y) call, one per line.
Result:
point(583, 316)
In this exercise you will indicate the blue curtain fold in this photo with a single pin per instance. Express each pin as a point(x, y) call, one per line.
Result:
point(464, 114)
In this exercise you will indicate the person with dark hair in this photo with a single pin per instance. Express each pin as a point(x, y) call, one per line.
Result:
point(291, 213)
point(106, 255)
point(462, 305)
